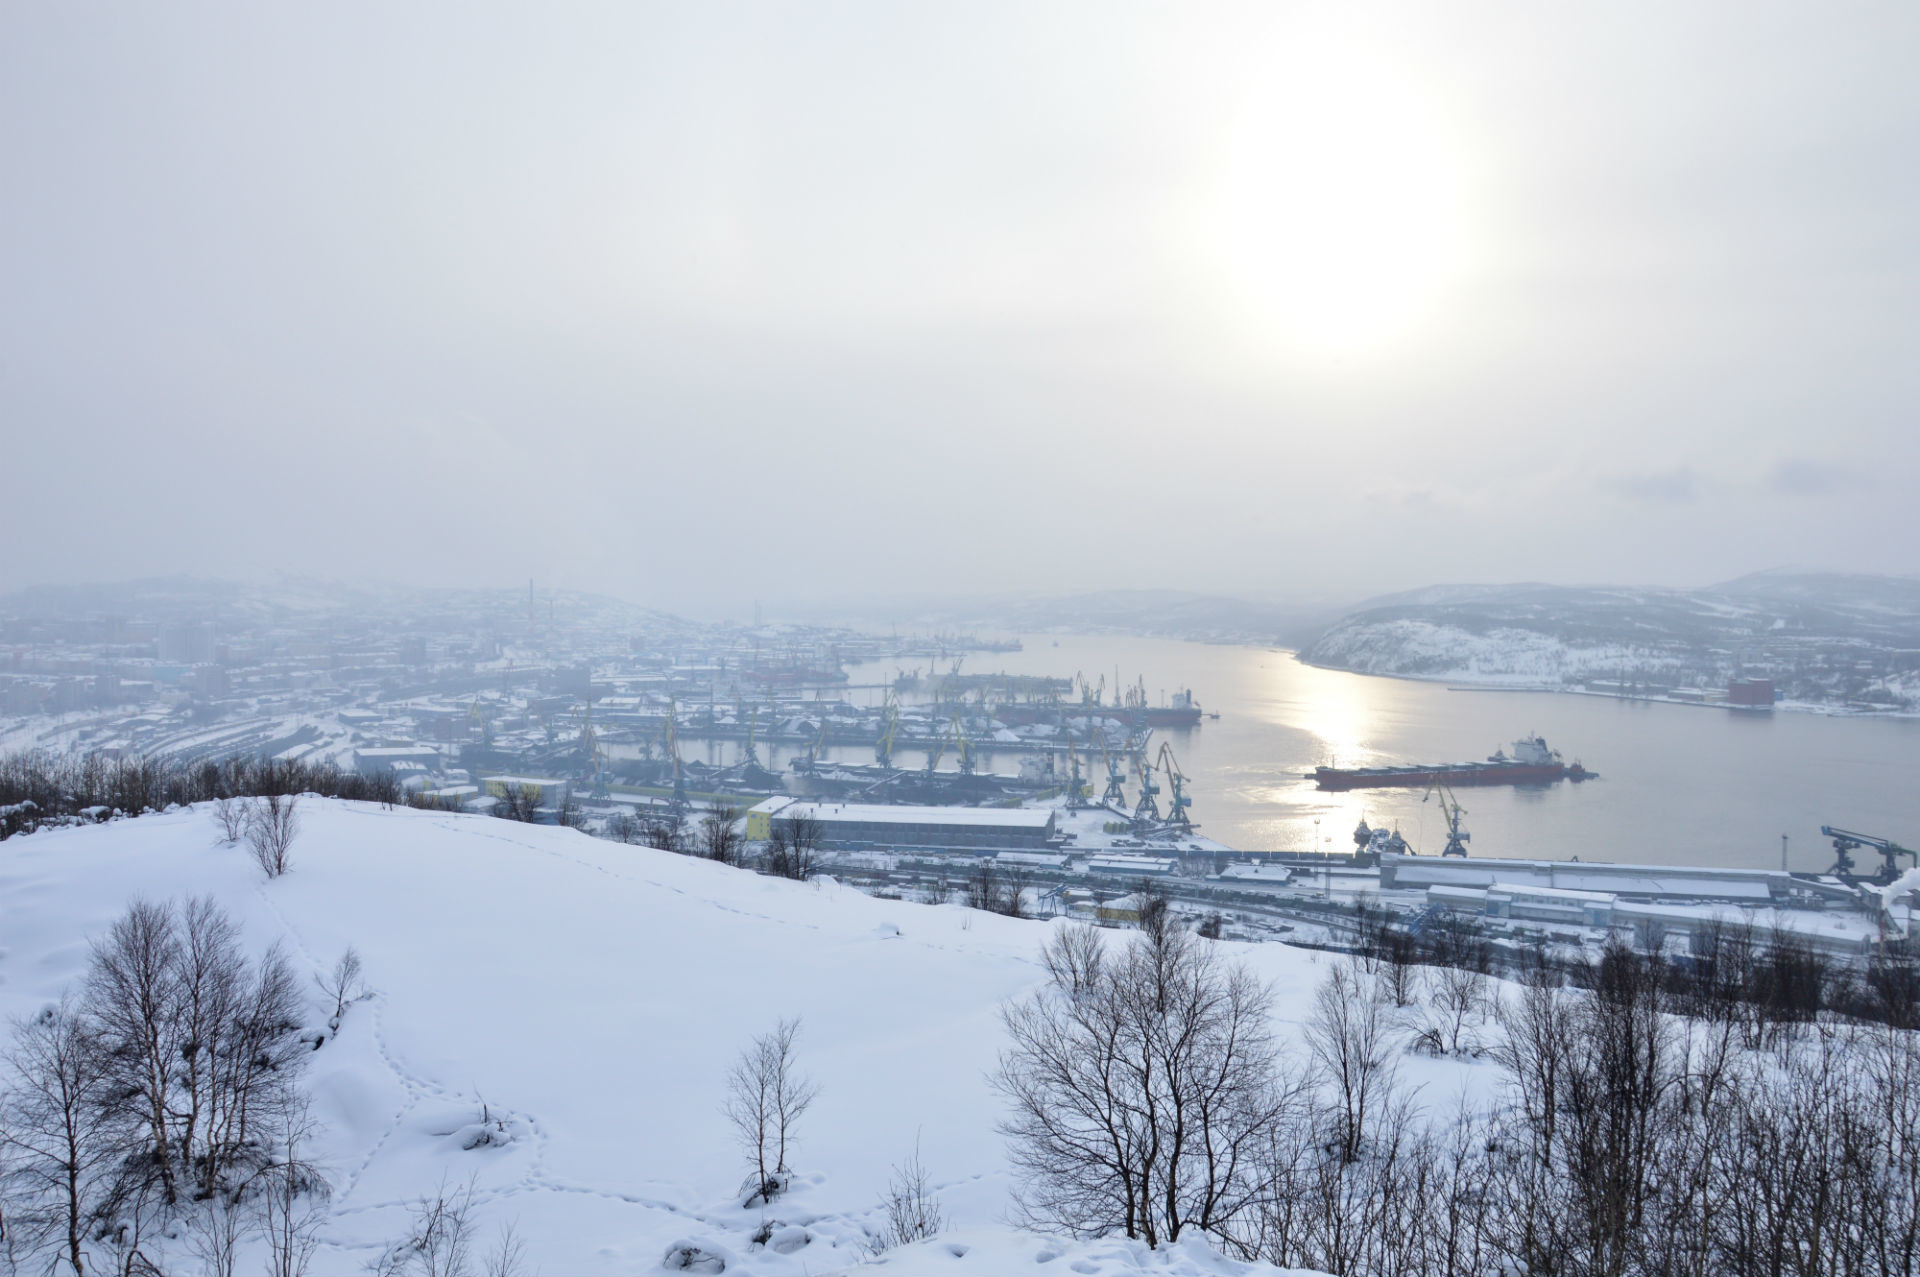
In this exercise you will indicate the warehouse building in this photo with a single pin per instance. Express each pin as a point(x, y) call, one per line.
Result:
point(852, 826)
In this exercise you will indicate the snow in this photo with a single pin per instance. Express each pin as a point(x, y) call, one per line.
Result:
point(587, 998)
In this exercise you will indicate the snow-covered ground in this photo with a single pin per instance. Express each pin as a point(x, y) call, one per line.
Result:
point(590, 997)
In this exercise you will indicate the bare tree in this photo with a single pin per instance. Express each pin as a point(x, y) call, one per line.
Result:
point(211, 989)
point(1347, 1038)
point(343, 984)
point(720, 836)
point(665, 828)
point(623, 826)
point(272, 823)
point(1156, 907)
point(1142, 1097)
point(133, 986)
point(59, 1138)
point(1073, 956)
point(793, 847)
point(1458, 995)
point(1013, 894)
point(912, 1208)
point(571, 816)
point(1400, 966)
point(766, 1097)
point(983, 886)
point(518, 802)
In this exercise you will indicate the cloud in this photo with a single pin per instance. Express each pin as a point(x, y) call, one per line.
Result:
point(1678, 486)
point(1803, 477)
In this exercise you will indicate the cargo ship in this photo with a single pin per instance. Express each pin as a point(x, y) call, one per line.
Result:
point(1531, 763)
point(1183, 712)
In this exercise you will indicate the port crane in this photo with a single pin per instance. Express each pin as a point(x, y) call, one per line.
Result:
point(1846, 842)
point(1179, 800)
point(1457, 838)
point(1146, 811)
point(1116, 796)
point(964, 744)
point(889, 724)
point(750, 753)
point(590, 748)
point(679, 801)
point(1079, 791)
point(935, 750)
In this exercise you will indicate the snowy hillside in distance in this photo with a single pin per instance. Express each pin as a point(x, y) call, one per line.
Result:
point(1412, 647)
point(1822, 639)
point(588, 998)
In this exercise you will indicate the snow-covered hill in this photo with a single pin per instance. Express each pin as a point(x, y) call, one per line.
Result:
point(588, 998)
point(1822, 639)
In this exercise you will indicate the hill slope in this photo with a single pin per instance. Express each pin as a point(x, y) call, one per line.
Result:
point(589, 998)
point(1822, 638)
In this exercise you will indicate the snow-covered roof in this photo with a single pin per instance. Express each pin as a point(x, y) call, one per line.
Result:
point(900, 814)
point(1526, 891)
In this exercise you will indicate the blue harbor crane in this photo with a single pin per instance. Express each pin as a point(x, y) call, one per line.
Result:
point(1116, 795)
point(1146, 812)
point(1181, 800)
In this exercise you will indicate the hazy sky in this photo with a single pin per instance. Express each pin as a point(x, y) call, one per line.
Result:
point(701, 303)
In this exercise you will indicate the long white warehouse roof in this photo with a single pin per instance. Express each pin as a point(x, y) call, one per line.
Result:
point(883, 814)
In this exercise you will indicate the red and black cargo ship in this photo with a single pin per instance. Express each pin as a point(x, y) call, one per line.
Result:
point(1531, 763)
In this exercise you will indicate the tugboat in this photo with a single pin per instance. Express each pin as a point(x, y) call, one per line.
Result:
point(1531, 763)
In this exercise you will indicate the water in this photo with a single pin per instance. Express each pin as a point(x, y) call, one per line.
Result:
point(1680, 784)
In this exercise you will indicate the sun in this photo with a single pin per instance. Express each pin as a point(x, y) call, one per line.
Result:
point(1341, 218)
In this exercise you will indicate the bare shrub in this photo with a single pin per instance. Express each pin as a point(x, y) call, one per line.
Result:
point(344, 984)
point(291, 1198)
point(439, 1241)
point(272, 823)
point(231, 815)
point(215, 1235)
point(665, 829)
point(507, 1257)
point(998, 889)
point(913, 1212)
point(766, 1097)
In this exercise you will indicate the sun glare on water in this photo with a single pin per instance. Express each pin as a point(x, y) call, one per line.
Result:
point(1341, 219)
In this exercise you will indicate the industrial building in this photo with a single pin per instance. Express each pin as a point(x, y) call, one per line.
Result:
point(372, 760)
point(865, 825)
point(1751, 887)
point(1133, 866)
